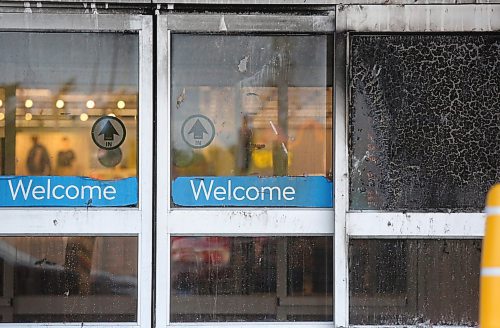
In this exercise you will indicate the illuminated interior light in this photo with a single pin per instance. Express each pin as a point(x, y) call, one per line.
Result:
point(28, 116)
point(112, 115)
point(28, 103)
point(2, 116)
point(1, 103)
point(60, 103)
point(90, 104)
point(84, 117)
point(120, 104)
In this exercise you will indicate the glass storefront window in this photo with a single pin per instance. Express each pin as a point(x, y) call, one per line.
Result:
point(70, 279)
point(53, 88)
point(423, 121)
point(253, 113)
point(251, 279)
point(251, 105)
point(412, 282)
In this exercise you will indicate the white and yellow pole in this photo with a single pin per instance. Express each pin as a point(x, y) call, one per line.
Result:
point(489, 303)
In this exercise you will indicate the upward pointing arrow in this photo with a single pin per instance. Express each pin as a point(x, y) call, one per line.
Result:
point(109, 131)
point(198, 129)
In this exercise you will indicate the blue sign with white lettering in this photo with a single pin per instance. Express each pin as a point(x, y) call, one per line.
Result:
point(253, 191)
point(59, 191)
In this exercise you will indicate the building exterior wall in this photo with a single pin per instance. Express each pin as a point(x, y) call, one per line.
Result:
point(392, 265)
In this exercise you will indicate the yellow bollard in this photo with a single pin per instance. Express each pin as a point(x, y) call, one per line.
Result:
point(489, 291)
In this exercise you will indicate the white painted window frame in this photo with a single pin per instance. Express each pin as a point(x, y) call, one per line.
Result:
point(99, 221)
point(374, 224)
point(221, 221)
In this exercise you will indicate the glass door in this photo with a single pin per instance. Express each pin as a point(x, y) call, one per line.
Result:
point(76, 179)
point(245, 181)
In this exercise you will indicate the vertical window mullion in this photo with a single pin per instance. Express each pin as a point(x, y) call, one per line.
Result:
point(341, 300)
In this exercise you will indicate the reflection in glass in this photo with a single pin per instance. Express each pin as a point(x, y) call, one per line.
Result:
point(269, 99)
point(251, 278)
point(70, 279)
point(53, 87)
point(408, 282)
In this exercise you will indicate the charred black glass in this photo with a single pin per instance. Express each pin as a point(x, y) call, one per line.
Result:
point(424, 121)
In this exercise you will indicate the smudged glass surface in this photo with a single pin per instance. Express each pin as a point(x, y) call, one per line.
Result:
point(53, 87)
point(69, 279)
point(424, 121)
point(269, 99)
point(411, 282)
point(251, 279)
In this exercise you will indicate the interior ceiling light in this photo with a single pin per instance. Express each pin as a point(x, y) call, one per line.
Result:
point(28, 103)
point(90, 104)
point(84, 117)
point(120, 104)
point(112, 115)
point(28, 116)
point(1, 103)
point(60, 103)
point(2, 116)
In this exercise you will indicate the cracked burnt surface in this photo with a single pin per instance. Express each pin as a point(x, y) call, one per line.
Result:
point(424, 121)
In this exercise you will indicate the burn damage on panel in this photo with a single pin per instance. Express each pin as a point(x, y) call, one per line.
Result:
point(414, 282)
point(424, 121)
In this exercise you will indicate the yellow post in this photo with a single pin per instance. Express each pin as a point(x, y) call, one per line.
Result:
point(489, 303)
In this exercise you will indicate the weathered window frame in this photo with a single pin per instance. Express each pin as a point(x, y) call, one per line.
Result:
point(135, 221)
point(377, 224)
point(221, 221)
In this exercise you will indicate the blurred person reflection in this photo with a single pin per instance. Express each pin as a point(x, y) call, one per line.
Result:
point(38, 162)
point(65, 158)
point(244, 146)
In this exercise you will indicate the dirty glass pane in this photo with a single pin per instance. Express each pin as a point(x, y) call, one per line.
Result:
point(53, 88)
point(246, 105)
point(424, 121)
point(71, 279)
point(1, 278)
point(408, 282)
point(251, 279)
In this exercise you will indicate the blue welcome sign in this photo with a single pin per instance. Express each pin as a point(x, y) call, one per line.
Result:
point(253, 191)
point(57, 191)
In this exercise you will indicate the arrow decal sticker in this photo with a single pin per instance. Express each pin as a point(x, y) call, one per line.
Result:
point(198, 131)
point(108, 132)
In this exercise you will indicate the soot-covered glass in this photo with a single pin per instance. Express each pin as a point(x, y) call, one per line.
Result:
point(424, 121)
point(412, 282)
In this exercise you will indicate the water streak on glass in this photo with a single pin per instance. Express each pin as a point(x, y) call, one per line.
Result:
point(268, 97)
point(251, 279)
point(412, 282)
point(69, 279)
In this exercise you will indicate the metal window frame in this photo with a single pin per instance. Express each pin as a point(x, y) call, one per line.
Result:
point(374, 224)
point(99, 221)
point(221, 221)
